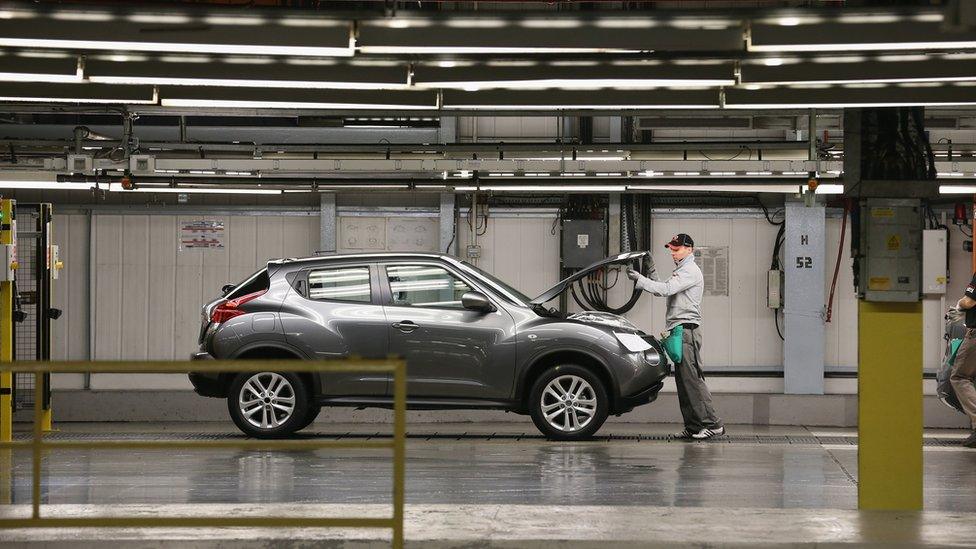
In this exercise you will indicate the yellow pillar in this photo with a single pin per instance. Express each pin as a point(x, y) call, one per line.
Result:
point(889, 392)
point(7, 228)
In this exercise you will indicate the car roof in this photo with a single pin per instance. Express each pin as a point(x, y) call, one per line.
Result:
point(362, 255)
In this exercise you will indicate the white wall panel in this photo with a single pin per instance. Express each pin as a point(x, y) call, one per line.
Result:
point(521, 251)
point(148, 292)
point(69, 334)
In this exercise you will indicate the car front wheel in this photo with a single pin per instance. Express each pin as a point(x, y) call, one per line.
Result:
point(568, 402)
point(268, 404)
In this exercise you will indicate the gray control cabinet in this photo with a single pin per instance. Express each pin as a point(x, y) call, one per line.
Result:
point(584, 242)
point(890, 267)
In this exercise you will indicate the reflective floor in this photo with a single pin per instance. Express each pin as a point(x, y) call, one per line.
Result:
point(490, 466)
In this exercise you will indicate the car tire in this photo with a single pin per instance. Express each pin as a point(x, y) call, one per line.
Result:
point(313, 412)
point(568, 402)
point(268, 404)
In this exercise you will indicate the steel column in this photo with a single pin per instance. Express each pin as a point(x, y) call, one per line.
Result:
point(8, 235)
point(327, 222)
point(889, 405)
point(448, 229)
point(803, 350)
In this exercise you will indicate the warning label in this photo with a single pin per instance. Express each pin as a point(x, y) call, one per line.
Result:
point(894, 243)
point(882, 212)
point(879, 283)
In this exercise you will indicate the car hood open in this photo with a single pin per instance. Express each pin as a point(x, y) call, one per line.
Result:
point(561, 286)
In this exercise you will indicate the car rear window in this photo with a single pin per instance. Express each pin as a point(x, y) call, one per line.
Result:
point(255, 283)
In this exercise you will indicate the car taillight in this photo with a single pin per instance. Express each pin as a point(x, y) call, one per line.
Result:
point(231, 308)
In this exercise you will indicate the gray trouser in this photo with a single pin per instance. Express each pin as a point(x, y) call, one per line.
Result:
point(963, 376)
point(693, 395)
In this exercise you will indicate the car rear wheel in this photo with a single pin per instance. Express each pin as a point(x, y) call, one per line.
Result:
point(268, 404)
point(568, 402)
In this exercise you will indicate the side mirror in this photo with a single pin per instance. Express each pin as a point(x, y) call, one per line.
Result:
point(476, 301)
point(227, 288)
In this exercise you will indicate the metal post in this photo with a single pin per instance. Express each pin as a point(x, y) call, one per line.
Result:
point(45, 299)
point(803, 349)
point(327, 222)
point(448, 230)
point(889, 406)
point(399, 450)
point(8, 235)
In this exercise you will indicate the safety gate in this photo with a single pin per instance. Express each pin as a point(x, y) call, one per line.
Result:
point(37, 258)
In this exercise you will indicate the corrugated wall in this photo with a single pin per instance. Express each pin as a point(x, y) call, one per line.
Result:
point(147, 295)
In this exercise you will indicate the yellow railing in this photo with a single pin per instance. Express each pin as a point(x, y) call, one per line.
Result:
point(38, 445)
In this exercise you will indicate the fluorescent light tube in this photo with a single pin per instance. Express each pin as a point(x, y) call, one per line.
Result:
point(232, 104)
point(956, 189)
point(231, 49)
point(781, 189)
point(545, 188)
point(877, 46)
point(117, 187)
point(46, 185)
point(461, 50)
point(39, 77)
point(577, 107)
point(79, 100)
point(241, 83)
point(572, 83)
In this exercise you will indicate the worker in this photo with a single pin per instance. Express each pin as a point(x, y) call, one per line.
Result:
point(963, 376)
point(684, 290)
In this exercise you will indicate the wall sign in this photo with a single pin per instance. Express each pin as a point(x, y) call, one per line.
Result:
point(714, 263)
point(207, 234)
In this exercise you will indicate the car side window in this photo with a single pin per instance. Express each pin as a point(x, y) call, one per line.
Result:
point(340, 284)
point(425, 286)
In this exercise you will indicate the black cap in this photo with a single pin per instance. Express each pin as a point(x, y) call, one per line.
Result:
point(680, 239)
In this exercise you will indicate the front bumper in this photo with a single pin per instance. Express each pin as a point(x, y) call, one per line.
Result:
point(207, 384)
point(647, 396)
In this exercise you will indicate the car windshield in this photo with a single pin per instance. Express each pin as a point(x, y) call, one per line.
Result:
point(497, 282)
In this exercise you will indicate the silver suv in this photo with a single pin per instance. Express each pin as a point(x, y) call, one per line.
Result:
point(469, 339)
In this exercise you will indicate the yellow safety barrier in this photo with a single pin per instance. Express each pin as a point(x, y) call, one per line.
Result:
point(38, 445)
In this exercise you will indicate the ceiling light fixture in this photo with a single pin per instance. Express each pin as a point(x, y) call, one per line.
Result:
point(230, 49)
point(45, 185)
point(232, 104)
point(235, 83)
point(117, 187)
point(546, 188)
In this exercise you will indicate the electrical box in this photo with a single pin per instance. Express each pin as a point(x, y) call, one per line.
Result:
point(81, 163)
point(774, 289)
point(584, 242)
point(142, 164)
point(934, 252)
point(473, 251)
point(890, 266)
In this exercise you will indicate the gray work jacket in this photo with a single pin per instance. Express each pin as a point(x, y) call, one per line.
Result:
point(684, 291)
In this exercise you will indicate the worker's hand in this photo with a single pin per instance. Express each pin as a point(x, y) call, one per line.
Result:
point(632, 274)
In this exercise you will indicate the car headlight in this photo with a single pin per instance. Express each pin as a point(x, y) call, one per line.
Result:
point(652, 357)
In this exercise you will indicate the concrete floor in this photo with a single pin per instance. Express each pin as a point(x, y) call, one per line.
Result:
point(780, 481)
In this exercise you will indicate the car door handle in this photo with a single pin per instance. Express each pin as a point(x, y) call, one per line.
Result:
point(406, 326)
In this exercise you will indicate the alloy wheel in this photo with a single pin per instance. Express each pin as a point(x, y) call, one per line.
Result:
point(568, 403)
point(266, 400)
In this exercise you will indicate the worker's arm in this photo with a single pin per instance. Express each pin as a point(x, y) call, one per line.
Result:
point(680, 281)
point(968, 300)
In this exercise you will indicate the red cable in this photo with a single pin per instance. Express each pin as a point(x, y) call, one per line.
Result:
point(840, 250)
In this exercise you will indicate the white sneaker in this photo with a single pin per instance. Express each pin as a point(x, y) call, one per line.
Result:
point(683, 435)
point(708, 433)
